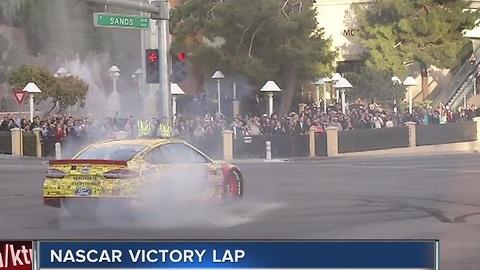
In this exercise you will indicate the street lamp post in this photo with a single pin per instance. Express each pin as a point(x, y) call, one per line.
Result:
point(408, 83)
point(176, 91)
point(31, 89)
point(335, 78)
point(114, 99)
point(114, 72)
point(139, 74)
point(218, 75)
point(317, 83)
point(61, 72)
point(343, 84)
point(270, 87)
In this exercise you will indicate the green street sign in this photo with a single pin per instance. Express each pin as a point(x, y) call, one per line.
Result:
point(120, 21)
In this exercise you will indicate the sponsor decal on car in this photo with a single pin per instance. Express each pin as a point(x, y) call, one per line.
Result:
point(83, 192)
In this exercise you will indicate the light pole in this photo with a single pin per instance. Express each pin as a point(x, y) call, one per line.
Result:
point(335, 78)
point(31, 89)
point(138, 77)
point(317, 83)
point(343, 84)
point(114, 99)
point(114, 72)
point(61, 72)
point(176, 91)
point(218, 75)
point(408, 83)
point(270, 87)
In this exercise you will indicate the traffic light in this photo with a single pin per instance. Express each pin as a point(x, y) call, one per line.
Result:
point(152, 68)
point(179, 67)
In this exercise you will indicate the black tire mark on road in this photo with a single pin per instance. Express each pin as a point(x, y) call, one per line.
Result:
point(438, 214)
point(432, 212)
point(463, 218)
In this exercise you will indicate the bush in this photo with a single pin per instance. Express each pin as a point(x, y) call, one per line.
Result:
point(29, 145)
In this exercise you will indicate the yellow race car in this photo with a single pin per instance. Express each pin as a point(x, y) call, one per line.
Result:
point(136, 172)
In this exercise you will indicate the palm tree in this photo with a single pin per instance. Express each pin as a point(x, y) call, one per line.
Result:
point(9, 8)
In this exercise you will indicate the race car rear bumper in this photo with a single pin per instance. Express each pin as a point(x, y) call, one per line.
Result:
point(57, 201)
point(119, 201)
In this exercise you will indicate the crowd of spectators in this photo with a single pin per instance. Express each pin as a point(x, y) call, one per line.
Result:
point(62, 128)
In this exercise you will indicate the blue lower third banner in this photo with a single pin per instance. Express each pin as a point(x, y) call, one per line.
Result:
point(418, 255)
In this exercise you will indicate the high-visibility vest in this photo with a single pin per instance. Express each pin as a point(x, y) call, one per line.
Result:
point(164, 130)
point(143, 128)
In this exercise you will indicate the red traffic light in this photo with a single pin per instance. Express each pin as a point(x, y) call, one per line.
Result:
point(152, 57)
point(181, 56)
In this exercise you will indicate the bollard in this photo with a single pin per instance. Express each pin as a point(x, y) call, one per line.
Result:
point(268, 148)
point(58, 151)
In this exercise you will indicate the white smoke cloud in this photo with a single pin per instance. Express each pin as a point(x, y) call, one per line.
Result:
point(174, 200)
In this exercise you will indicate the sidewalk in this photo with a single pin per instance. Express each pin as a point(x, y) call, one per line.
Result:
point(451, 148)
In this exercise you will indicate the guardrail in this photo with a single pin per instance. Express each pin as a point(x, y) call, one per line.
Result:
point(460, 77)
point(466, 92)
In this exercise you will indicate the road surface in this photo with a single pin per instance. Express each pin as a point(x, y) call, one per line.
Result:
point(414, 197)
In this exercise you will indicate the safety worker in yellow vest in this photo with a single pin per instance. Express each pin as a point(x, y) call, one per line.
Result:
point(144, 128)
point(164, 129)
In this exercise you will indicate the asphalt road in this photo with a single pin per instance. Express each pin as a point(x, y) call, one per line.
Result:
point(434, 196)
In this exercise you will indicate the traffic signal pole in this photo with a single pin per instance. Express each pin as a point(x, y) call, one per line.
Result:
point(165, 95)
point(160, 12)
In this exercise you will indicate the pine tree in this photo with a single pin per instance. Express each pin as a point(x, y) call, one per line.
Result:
point(263, 40)
point(399, 33)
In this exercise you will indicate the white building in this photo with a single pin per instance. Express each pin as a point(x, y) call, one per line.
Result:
point(336, 17)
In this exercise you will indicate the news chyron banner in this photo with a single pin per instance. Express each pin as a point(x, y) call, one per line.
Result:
point(16, 255)
point(365, 255)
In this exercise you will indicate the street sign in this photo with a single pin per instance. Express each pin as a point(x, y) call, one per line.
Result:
point(20, 96)
point(120, 21)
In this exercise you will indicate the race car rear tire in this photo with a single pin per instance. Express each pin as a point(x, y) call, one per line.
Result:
point(234, 186)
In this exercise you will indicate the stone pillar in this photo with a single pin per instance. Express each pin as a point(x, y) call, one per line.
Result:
point(301, 107)
point(17, 141)
point(38, 142)
point(311, 143)
point(227, 136)
point(412, 133)
point(236, 108)
point(477, 123)
point(332, 141)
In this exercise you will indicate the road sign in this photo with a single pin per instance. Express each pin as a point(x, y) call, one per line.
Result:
point(20, 96)
point(120, 21)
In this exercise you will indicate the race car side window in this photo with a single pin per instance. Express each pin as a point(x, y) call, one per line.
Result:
point(158, 155)
point(183, 154)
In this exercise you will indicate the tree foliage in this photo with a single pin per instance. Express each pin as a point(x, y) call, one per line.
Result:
point(64, 91)
point(262, 40)
point(374, 84)
point(398, 33)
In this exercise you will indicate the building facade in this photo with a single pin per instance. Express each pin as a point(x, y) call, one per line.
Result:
point(336, 17)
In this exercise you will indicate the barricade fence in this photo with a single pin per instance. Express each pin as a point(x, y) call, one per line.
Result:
point(280, 146)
